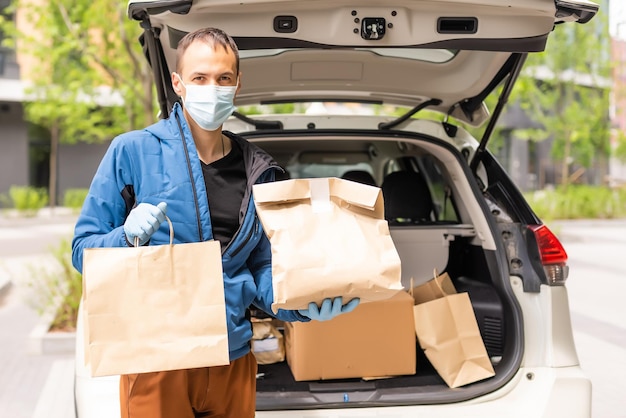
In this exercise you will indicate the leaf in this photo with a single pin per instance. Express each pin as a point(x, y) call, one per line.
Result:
point(80, 48)
point(566, 90)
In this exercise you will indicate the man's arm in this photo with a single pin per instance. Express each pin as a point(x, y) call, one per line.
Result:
point(100, 223)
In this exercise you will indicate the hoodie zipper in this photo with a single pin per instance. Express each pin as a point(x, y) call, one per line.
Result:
point(253, 230)
point(193, 184)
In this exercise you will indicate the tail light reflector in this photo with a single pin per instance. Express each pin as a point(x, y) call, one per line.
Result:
point(552, 253)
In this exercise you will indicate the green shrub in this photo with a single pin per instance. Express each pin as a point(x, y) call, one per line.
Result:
point(74, 198)
point(579, 202)
point(28, 199)
point(58, 288)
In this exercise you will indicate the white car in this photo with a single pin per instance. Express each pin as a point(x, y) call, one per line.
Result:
point(347, 63)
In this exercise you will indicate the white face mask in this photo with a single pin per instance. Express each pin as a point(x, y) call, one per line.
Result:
point(209, 105)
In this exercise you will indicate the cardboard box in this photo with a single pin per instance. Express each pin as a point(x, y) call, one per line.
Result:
point(377, 339)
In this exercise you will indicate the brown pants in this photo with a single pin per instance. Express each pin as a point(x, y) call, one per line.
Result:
point(222, 391)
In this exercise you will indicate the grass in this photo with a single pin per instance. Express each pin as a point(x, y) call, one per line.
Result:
point(58, 288)
point(27, 199)
point(578, 202)
point(74, 198)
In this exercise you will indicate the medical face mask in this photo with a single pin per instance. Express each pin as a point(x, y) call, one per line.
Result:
point(209, 105)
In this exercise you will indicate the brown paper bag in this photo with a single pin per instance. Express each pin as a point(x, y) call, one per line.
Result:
point(448, 333)
point(329, 238)
point(154, 308)
point(267, 343)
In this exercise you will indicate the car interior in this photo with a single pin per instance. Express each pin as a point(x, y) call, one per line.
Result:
point(432, 229)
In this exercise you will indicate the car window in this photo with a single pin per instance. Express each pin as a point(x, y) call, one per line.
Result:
point(299, 170)
point(426, 197)
point(440, 190)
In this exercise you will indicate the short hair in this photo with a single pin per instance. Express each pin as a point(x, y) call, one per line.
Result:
point(211, 36)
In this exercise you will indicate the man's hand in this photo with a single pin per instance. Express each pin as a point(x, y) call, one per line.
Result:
point(143, 221)
point(329, 309)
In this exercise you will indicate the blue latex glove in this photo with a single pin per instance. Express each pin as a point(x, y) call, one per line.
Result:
point(329, 309)
point(143, 221)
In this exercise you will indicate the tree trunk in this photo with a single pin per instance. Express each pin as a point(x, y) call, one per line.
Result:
point(54, 159)
point(148, 103)
point(567, 149)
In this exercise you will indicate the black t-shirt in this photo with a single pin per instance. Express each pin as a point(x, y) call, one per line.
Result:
point(225, 181)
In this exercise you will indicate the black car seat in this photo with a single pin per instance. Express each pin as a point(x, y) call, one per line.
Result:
point(407, 198)
point(360, 176)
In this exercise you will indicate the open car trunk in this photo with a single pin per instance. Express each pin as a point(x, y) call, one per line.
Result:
point(441, 55)
point(460, 238)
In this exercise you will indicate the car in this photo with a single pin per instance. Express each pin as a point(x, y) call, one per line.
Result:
point(383, 87)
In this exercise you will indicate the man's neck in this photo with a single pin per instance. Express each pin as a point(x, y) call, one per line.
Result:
point(211, 145)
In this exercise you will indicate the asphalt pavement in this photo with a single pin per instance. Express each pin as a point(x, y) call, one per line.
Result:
point(40, 385)
point(597, 292)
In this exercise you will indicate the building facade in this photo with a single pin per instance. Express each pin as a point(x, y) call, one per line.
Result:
point(25, 149)
point(617, 167)
point(14, 164)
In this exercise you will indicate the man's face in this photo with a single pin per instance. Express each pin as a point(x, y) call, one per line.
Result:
point(202, 64)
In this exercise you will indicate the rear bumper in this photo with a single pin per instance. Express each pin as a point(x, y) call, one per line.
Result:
point(534, 392)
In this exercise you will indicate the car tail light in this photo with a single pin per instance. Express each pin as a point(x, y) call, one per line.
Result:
point(552, 253)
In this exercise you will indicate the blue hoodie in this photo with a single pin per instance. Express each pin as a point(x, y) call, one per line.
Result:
point(157, 165)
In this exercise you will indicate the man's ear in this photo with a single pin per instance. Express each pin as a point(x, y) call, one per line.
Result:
point(176, 84)
point(238, 83)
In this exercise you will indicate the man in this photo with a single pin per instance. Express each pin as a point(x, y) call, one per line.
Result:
point(202, 178)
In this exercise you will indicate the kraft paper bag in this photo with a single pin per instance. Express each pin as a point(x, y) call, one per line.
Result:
point(154, 308)
point(267, 342)
point(329, 238)
point(447, 331)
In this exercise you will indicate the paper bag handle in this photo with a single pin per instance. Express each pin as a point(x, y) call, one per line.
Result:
point(136, 240)
point(436, 275)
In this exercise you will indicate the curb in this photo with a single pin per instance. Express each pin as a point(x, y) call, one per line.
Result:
point(41, 341)
point(14, 218)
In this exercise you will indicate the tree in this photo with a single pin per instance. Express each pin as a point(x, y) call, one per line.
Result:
point(89, 78)
point(566, 90)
